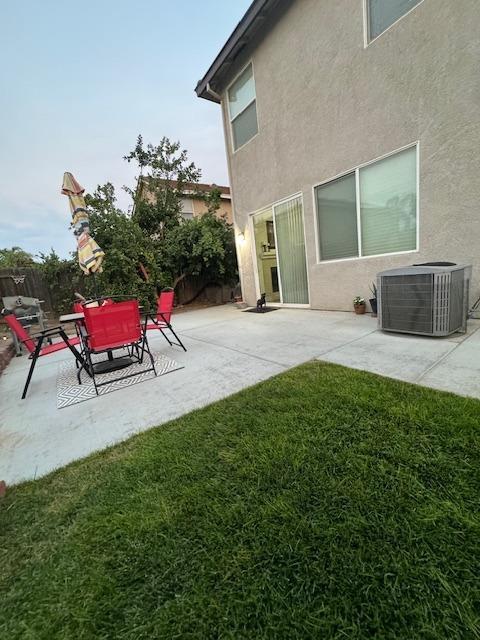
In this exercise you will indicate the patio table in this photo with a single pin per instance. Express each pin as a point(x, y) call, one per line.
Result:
point(112, 364)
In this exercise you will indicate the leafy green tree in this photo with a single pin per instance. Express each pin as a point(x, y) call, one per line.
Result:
point(129, 252)
point(203, 246)
point(164, 172)
point(155, 240)
point(15, 257)
point(213, 199)
point(63, 277)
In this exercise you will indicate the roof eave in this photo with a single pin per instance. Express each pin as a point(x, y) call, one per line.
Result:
point(240, 37)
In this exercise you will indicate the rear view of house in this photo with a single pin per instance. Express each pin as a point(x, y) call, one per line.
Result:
point(353, 133)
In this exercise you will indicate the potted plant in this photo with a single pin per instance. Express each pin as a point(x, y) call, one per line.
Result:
point(373, 300)
point(359, 305)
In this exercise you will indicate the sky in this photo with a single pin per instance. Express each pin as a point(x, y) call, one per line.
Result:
point(80, 81)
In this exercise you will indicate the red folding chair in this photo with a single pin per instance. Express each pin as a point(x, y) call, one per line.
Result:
point(161, 321)
point(34, 344)
point(111, 327)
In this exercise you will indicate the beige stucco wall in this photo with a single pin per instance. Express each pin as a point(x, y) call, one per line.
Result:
point(224, 211)
point(326, 104)
point(199, 206)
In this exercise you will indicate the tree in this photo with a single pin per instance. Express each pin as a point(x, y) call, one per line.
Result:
point(155, 241)
point(129, 253)
point(15, 257)
point(164, 172)
point(202, 246)
point(63, 277)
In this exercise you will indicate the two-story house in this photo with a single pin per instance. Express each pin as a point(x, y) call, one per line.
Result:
point(352, 131)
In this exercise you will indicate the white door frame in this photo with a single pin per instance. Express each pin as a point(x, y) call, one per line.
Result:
point(254, 252)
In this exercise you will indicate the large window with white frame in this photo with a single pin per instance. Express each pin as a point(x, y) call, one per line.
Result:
point(242, 108)
point(381, 14)
point(371, 210)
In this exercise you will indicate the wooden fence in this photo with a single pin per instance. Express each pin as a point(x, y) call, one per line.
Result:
point(32, 286)
point(35, 286)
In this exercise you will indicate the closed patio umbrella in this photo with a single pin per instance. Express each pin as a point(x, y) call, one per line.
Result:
point(90, 255)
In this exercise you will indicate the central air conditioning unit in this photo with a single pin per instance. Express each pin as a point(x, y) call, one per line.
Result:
point(424, 299)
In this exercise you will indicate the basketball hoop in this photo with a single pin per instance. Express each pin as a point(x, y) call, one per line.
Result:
point(18, 279)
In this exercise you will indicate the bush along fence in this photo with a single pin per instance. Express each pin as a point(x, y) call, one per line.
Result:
point(57, 292)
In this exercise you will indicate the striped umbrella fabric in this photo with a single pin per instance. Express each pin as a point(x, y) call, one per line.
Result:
point(90, 255)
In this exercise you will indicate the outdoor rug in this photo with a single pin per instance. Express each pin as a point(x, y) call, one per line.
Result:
point(70, 392)
point(264, 310)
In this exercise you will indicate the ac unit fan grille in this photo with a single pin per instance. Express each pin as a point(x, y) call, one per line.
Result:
point(407, 303)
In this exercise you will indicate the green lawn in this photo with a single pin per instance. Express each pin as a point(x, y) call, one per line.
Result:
point(323, 503)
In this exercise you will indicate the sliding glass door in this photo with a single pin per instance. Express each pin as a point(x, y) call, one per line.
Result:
point(280, 252)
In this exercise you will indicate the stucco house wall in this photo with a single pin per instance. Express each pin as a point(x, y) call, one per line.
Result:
point(195, 205)
point(224, 211)
point(327, 103)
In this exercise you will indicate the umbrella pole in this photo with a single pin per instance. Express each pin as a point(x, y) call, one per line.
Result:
point(95, 285)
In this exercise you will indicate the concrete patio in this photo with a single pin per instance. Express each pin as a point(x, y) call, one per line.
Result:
point(227, 351)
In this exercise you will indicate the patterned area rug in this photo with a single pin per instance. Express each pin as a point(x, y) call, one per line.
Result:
point(70, 392)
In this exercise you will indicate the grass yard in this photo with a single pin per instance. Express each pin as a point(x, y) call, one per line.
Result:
point(324, 503)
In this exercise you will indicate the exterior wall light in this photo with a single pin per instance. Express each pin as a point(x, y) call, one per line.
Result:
point(241, 237)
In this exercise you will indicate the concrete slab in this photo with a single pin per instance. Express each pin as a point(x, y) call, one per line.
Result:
point(396, 356)
point(287, 336)
point(228, 350)
point(460, 371)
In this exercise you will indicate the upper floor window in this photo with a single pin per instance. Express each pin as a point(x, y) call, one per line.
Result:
point(383, 13)
point(187, 208)
point(242, 108)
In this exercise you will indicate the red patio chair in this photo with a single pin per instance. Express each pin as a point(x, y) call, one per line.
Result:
point(113, 326)
point(161, 321)
point(34, 344)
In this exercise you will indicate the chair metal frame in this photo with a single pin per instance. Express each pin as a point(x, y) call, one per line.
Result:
point(34, 344)
point(161, 320)
point(122, 319)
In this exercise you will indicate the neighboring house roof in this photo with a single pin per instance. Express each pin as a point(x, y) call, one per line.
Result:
point(257, 20)
point(193, 188)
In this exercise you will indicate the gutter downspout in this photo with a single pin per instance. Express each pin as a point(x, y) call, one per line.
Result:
point(213, 93)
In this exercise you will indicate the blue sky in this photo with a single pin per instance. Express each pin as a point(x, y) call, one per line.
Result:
point(80, 81)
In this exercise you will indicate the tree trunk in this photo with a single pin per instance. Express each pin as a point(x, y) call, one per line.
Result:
point(178, 279)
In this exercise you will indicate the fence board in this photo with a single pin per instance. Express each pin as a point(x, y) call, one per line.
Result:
point(34, 285)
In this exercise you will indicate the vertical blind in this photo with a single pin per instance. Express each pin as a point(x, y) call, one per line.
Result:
point(383, 13)
point(388, 204)
point(291, 251)
point(337, 218)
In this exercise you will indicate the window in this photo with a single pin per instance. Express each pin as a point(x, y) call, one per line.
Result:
point(337, 218)
point(242, 108)
point(383, 13)
point(187, 208)
point(371, 211)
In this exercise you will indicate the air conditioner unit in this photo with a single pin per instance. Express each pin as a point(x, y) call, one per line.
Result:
point(428, 300)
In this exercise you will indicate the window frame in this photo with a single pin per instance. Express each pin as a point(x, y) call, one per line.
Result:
point(366, 23)
point(356, 171)
point(254, 100)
